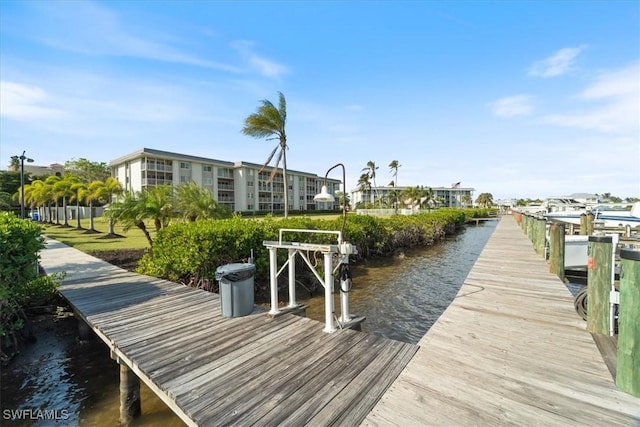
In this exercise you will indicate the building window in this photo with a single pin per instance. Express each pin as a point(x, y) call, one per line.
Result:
point(207, 181)
point(184, 165)
point(207, 168)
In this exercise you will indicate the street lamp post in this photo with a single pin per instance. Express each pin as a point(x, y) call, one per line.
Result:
point(22, 159)
point(345, 249)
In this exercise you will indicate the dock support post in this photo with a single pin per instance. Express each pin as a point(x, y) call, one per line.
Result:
point(628, 364)
point(84, 330)
point(129, 395)
point(589, 223)
point(556, 249)
point(539, 235)
point(530, 222)
point(583, 224)
point(599, 274)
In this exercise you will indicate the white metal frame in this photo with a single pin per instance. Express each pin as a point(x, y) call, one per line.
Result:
point(342, 249)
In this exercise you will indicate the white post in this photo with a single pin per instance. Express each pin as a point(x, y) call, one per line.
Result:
point(328, 293)
point(273, 280)
point(344, 303)
point(292, 278)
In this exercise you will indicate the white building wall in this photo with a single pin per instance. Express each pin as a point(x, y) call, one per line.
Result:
point(135, 174)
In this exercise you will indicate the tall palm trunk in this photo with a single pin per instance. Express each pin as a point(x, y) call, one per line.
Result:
point(283, 144)
point(64, 212)
point(78, 226)
point(57, 211)
point(91, 227)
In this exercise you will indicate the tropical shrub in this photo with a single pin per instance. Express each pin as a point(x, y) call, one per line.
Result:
point(191, 252)
point(20, 282)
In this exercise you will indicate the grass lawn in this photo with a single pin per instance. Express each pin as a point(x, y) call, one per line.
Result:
point(85, 242)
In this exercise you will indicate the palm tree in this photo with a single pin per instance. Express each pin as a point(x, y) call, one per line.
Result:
point(50, 184)
point(158, 204)
point(79, 190)
point(63, 191)
point(371, 171)
point(269, 122)
point(112, 187)
point(393, 167)
point(195, 202)
point(364, 184)
point(94, 192)
point(466, 200)
point(129, 213)
point(427, 197)
point(485, 200)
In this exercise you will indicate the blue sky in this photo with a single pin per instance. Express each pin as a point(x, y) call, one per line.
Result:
point(518, 99)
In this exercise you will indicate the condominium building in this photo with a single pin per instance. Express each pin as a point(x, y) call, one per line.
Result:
point(240, 186)
point(454, 196)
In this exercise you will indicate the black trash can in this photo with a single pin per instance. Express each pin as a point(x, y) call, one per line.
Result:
point(236, 288)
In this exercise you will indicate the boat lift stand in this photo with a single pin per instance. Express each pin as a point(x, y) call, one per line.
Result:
point(342, 249)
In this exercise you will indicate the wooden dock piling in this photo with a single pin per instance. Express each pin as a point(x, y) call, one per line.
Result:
point(628, 364)
point(599, 274)
point(130, 407)
point(539, 235)
point(556, 249)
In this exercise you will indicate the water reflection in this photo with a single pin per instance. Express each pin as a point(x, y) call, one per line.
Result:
point(403, 296)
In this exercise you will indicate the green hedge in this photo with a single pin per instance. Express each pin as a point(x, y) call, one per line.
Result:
point(20, 282)
point(191, 252)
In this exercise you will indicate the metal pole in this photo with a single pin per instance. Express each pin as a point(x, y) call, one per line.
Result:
point(273, 268)
point(292, 278)
point(328, 294)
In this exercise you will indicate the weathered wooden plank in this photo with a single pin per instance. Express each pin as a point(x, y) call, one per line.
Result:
point(238, 374)
point(363, 401)
point(223, 348)
point(326, 366)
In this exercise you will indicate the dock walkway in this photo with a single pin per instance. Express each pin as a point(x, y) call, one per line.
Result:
point(214, 370)
point(509, 350)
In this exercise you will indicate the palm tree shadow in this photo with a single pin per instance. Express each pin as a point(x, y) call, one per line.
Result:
point(90, 231)
point(111, 236)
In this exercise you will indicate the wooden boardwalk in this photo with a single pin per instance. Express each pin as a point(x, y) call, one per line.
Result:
point(509, 350)
point(214, 370)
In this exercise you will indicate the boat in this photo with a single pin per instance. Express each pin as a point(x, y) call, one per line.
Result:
point(608, 216)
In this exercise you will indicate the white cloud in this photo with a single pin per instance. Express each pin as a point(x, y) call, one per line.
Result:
point(611, 103)
point(557, 64)
point(92, 29)
point(512, 106)
point(264, 66)
point(25, 102)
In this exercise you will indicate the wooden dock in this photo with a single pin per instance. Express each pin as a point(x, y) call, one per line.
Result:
point(509, 350)
point(214, 370)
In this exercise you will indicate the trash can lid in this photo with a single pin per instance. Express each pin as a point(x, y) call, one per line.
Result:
point(235, 271)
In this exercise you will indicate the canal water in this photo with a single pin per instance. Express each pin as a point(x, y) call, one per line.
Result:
point(401, 297)
point(78, 383)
